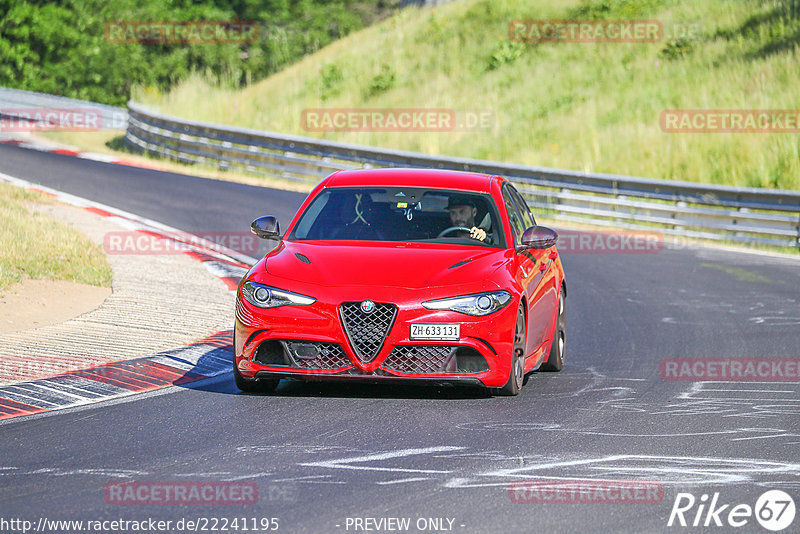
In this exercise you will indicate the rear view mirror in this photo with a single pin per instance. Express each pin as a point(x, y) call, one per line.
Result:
point(266, 227)
point(539, 237)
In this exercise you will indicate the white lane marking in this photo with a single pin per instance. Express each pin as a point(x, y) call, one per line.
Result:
point(94, 156)
point(61, 472)
point(754, 390)
point(300, 449)
point(402, 481)
point(203, 474)
point(296, 479)
point(346, 463)
point(675, 470)
point(249, 476)
point(670, 435)
point(776, 321)
point(558, 428)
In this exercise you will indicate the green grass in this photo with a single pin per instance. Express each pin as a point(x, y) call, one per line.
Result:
point(590, 107)
point(36, 246)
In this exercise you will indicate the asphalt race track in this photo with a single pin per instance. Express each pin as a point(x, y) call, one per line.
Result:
point(323, 455)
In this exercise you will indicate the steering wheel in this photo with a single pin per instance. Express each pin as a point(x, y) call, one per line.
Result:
point(454, 229)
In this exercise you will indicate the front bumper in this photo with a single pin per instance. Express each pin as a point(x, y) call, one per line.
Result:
point(311, 342)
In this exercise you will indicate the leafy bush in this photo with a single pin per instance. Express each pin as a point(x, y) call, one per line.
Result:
point(676, 48)
point(382, 82)
point(61, 48)
point(330, 79)
point(505, 52)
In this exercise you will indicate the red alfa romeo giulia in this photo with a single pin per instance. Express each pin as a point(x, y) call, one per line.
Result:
point(401, 274)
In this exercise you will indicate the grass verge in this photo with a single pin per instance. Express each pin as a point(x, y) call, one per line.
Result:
point(36, 246)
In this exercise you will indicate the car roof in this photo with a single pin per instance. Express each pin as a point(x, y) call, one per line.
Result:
point(438, 178)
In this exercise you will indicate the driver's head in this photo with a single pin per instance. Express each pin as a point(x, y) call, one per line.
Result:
point(462, 211)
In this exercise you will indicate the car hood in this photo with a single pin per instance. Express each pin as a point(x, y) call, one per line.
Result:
point(402, 265)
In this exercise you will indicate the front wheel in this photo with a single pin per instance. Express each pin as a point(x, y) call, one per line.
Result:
point(555, 360)
point(517, 374)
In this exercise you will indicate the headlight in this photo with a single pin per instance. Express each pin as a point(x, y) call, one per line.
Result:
point(478, 304)
point(272, 297)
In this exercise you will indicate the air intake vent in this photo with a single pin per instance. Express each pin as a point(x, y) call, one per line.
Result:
point(367, 331)
point(317, 355)
point(435, 359)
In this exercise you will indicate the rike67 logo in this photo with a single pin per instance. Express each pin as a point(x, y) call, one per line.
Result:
point(774, 510)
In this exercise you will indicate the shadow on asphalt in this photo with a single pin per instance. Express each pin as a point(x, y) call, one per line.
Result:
point(344, 390)
point(296, 388)
point(293, 388)
point(220, 358)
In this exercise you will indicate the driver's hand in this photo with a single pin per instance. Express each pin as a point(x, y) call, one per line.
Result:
point(477, 233)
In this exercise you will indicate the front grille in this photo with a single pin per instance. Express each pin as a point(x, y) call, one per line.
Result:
point(435, 359)
point(301, 354)
point(317, 355)
point(367, 331)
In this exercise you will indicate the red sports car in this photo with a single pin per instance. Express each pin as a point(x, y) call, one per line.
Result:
point(403, 274)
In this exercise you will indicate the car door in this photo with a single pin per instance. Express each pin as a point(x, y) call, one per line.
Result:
point(538, 275)
point(527, 271)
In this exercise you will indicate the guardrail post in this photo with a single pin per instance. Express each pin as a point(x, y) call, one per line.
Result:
point(798, 228)
point(616, 207)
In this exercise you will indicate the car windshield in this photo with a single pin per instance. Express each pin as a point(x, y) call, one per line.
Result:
point(404, 214)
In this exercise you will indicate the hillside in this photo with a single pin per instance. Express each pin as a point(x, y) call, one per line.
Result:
point(74, 47)
point(585, 106)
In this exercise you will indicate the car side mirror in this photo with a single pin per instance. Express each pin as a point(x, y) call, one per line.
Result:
point(266, 227)
point(539, 237)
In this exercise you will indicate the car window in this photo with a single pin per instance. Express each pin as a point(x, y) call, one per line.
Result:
point(525, 212)
point(400, 214)
point(514, 216)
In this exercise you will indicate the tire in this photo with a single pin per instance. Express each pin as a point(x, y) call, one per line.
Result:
point(262, 385)
point(517, 373)
point(555, 360)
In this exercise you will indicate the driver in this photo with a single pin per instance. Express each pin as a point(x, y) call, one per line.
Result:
point(462, 213)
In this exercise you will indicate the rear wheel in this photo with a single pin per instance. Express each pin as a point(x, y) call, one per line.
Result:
point(262, 385)
point(517, 374)
point(555, 361)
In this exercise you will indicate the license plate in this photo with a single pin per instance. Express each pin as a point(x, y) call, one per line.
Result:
point(442, 332)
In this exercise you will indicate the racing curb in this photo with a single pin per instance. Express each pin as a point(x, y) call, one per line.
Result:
point(203, 359)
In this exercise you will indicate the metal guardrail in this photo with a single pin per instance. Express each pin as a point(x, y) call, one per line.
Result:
point(12, 101)
point(678, 208)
